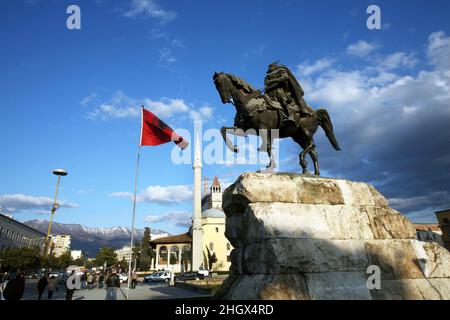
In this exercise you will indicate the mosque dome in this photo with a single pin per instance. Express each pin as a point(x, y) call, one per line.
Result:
point(213, 213)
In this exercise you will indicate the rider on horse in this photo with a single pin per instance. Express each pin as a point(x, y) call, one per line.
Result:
point(281, 86)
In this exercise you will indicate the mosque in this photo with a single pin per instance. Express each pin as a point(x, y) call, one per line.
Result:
point(175, 252)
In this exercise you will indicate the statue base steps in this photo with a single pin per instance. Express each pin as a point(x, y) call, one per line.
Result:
point(305, 237)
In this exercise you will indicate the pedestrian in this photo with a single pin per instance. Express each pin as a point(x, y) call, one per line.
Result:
point(134, 279)
point(70, 289)
point(94, 280)
point(112, 283)
point(83, 280)
point(15, 288)
point(3, 283)
point(52, 286)
point(41, 285)
point(89, 280)
point(101, 278)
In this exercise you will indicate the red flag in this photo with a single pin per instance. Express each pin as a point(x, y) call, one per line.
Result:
point(155, 132)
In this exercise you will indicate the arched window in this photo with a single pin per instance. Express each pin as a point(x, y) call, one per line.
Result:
point(228, 246)
point(162, 255)
point(186, 257)
point(211, 246)
point(174, 254)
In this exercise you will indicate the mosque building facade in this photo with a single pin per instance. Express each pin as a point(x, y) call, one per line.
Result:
point(175, 252)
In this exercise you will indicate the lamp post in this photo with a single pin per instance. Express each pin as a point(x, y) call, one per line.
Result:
point(60, 173)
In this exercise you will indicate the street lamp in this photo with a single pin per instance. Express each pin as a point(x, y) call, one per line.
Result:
point(60, 173)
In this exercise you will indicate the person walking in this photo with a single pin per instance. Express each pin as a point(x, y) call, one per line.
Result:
point(83, 280)
point(52, 286)
point(101, 278)
point(3, 282)
point(134, 279)
point(15, 288)
point(112, 283)
point(70, 289)
point(41, 285)
point(89, 280)
point(94, 280)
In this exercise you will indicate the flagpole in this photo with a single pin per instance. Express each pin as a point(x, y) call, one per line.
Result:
point(134, 207)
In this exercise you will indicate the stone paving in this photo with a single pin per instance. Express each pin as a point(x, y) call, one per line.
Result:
point(143, 291)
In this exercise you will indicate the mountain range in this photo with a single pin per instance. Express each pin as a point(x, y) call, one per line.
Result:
point(90, 240)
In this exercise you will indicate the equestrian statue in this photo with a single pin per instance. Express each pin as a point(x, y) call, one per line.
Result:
point(281, 107)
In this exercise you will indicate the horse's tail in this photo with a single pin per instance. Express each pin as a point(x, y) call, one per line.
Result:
point(327, 126)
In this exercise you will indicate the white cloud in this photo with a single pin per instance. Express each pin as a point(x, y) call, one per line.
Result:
point(85, 191)
point(438, 50)
point(167, 107)
point(307, 69)
point(166, 56)
point(166, 195)
point(121, 106)
point(176, 218)
point(398, 60)
point(161, 195)
point(88, 99)
point(151, 9)
point(391, 125)
point(254, 52)
point(361, 48)
point(202, 114)
point(21, 202)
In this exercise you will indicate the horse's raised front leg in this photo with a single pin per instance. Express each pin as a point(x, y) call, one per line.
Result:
point(231, 130)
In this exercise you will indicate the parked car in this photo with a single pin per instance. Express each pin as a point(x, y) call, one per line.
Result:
point(204, 272)
point(190, 275)
point(159, 276)
point(123, 277)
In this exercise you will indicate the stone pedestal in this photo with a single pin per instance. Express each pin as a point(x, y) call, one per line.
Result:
point(304, 237)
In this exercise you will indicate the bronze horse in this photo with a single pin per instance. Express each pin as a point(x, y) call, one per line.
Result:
point(255, 111)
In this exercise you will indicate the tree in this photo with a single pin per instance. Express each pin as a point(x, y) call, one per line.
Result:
point(123, 264)
point(106, 254)
point(64, 260)
point(79, 262)
point(136, 255)
point(146, 241)
point(146, 252)
point(20, 258)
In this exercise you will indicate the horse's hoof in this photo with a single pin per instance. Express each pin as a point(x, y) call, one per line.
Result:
point(236, 149)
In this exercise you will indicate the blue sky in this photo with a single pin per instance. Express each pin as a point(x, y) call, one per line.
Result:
point(68, 98)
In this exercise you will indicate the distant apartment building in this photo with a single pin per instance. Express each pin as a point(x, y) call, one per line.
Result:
point(60, 245)
point(444, 222)
point(77, 254)
point(430, 232)
point(123, 254)
point(14, 234)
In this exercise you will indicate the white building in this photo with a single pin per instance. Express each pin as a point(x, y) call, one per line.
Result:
point(16, 234)
point(60, 244)
point(77, 254)
point(123, 253)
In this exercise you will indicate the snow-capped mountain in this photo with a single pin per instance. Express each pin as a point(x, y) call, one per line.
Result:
point(91, 240)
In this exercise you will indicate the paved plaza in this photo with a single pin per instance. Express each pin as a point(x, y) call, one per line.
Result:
point(143, 291)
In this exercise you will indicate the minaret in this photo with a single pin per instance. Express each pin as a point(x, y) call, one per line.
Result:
point(197, 231)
